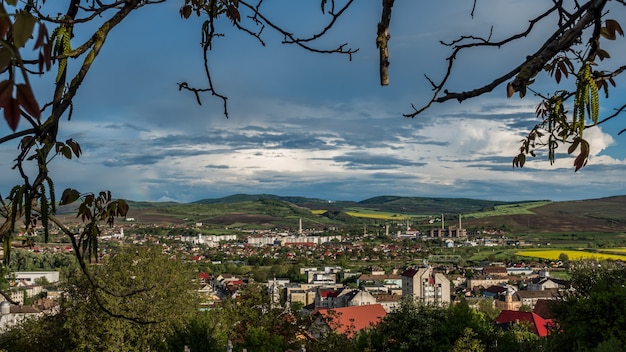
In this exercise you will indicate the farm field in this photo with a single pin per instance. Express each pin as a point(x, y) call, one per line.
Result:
point(555, 254)
point(507, 209)
point(379, 215)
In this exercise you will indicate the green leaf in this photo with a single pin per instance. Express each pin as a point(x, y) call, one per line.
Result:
point(23, 28)
point(69, 196)
point(607, 34)
point(5, 58)
point(67, 152)
point(75, 147)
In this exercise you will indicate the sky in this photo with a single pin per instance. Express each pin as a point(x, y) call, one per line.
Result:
point(319, 126)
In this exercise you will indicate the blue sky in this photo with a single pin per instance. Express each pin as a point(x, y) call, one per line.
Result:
point(320, 126)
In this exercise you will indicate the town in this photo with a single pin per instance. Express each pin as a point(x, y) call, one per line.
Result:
point(362, 276)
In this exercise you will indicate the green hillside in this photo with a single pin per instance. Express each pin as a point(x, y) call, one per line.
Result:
point(269, 211)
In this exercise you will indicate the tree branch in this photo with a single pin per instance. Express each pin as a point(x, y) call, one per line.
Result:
point(382, 41)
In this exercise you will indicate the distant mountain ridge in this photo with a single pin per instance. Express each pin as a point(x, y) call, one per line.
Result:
point(383, 203)
point(600, 215)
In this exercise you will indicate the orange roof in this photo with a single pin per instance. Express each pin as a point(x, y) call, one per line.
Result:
point(349, 320)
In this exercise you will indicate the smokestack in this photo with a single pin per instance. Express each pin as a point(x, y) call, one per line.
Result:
point(300, 229)
point(459, 221)
point(442, 225)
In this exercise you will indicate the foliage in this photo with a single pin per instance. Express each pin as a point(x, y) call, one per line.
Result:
point(46, 334)
point(417, 327)
point(255, 323)
point(592, 316)
point(203, 332)
point(150, 295)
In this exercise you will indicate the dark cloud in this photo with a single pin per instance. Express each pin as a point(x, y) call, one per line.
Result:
point(370, 161)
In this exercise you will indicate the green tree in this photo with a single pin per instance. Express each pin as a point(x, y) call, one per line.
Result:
point(468, 342)
point(47, 334)
point(257, 324)
point(203, 332)
point(595, 313)
point(148, 295)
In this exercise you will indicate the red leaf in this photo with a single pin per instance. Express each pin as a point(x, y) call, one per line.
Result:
point(12, 113)
point(27, 100)
point(6, 92)
point(557, 76)
point(509, 90)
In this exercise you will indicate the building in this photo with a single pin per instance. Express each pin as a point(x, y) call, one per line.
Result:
point(11, 315)
point(426, 286)
point(539, 325)
point(450, 232)
point(545, 282)
point(347, 320)
point(31, 276)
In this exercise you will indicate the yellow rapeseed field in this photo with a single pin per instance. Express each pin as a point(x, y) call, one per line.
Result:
point(318, 211)
point(554, 254)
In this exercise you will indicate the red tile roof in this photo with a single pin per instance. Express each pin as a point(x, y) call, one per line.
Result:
point(203, 275)
point(349, 320)
point(539, 324)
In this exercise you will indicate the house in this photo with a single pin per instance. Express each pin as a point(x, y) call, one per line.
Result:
point(530, 298)
point(539, 325)
point(386, 279)
point(426, 286)
point(343, 297)
point(545, 282)
point(11, 315)
point(494, 291)
point(495, 271)
point(347, 320)
point(389, 301)
point(543, 308)
point(514, 300)
point(485, 281)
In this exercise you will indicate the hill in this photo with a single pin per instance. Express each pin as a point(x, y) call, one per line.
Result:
point(269, 211)
point(600, 215)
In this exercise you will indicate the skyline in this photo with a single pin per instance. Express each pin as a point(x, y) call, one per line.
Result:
point(318, 126)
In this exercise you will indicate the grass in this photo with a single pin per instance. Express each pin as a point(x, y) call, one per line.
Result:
point(378, 215)
point(507, 209)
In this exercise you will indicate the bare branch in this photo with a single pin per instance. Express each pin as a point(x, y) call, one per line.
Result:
point(382, 41)
point(562, 39)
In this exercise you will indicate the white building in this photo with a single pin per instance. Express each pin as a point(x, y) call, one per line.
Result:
point(30, 276)
point(425, 286)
